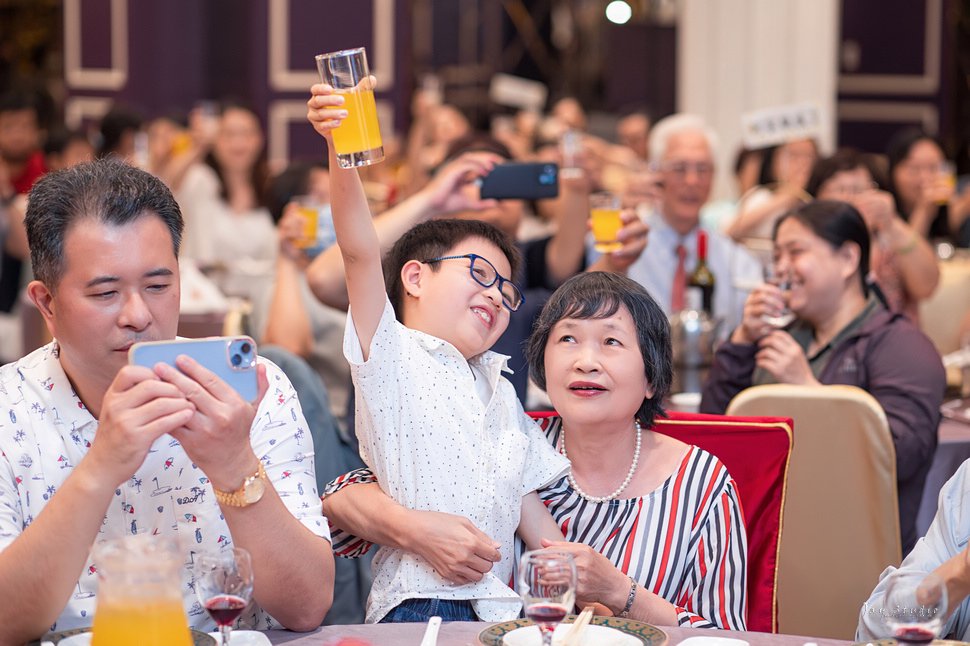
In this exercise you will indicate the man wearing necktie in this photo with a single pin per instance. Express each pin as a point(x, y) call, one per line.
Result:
point(682, 153)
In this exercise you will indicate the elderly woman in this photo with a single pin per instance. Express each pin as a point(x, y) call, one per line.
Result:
point(601, 348)
point(842, 335)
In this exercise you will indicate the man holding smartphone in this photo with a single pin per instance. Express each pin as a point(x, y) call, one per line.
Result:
point(94, 449)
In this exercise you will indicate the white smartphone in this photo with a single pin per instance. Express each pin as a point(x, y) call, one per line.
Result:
point(231, 358)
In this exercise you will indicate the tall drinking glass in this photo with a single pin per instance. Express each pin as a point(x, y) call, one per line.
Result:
point(785, 317)
point(357, 140)
point(604, 214)
point(547, 584)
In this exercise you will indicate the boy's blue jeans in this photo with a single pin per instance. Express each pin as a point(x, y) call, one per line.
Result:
point(420, 610)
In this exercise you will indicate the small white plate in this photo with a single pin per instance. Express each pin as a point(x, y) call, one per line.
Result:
point(244, 638)
point(592, 636)
point(712, 641)
point(84, 639)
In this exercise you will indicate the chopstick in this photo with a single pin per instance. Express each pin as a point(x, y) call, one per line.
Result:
point(572, 637)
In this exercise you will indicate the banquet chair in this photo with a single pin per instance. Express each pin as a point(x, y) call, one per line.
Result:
point(942, 313)
point(756, 452)
point(841, 512)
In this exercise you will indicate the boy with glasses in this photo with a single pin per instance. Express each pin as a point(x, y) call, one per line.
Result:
point(437, 423)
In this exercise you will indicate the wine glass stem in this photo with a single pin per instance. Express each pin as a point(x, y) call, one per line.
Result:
point(547, 638)
point(224, 634)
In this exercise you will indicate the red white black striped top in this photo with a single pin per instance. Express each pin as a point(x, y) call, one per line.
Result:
point(685, 541)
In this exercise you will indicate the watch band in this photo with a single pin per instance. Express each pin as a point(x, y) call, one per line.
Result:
point(237, 498)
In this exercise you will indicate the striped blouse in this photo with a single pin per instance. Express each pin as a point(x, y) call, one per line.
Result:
point(684, 541)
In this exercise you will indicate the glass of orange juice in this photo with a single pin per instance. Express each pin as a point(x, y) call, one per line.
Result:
point(139, 593)
point(605, 221)
point(948, 178)
point(309, 210)
point(357, 139)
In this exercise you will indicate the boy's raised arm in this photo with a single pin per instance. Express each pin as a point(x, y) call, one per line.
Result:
point(359, 245)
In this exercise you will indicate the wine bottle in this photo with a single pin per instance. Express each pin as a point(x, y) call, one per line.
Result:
point(701, 280)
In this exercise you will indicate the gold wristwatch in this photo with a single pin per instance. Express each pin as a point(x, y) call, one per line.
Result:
point(250, 492)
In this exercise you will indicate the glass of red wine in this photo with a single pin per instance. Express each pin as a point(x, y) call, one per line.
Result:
point(547, 584)
point(224, 584)
point(915, 607)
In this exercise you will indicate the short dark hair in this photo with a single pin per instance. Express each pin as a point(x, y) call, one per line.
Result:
point(118, 120)
point(60, 138)
point(432, 239)
point(476, 142)
point(844, 160)
point(837, 223)
point(108, 190)
point(597, 294)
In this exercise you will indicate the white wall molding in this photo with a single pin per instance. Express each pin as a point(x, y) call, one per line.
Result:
point(86, 78)
point(380, 55)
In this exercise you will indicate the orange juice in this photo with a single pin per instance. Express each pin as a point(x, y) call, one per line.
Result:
point(148, 622)
point(308, 232)
point(359, 132)
point(606, 224)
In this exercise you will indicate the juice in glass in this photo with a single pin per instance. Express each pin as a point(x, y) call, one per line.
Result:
point(605, 221)
point(309, 209)
point(359, 132)
point(357, 141)
point(606, 224)
point(149, 622)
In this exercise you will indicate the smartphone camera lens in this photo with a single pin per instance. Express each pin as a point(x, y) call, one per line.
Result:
point(548, 175)
point(245, 348)
point(236, 359)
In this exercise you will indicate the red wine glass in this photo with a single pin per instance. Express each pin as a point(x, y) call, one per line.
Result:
point(547, 584)
point(915, 607)
point(224, 584)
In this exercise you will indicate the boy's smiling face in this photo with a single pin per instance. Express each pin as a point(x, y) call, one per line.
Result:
point(442, 298)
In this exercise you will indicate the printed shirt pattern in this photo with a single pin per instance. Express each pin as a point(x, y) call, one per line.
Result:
point(685, 541)
point(435, 445)
point(45, 430)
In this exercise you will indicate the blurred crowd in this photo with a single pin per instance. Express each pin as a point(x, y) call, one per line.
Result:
point(243, 225)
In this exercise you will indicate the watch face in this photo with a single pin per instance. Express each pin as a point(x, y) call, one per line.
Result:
point(253, 490)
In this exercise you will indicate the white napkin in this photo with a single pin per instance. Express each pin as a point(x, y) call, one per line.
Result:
point(592, 636)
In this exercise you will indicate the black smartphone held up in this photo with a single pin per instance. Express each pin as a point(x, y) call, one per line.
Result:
point(521, 181)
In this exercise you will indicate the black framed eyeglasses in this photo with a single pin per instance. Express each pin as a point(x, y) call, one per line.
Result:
point(485, 274)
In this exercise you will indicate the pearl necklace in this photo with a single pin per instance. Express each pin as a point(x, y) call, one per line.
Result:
point(626, 481)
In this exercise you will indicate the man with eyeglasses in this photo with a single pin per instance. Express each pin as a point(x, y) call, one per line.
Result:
point(682, 151)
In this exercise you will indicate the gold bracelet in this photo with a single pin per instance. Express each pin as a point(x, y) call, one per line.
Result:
point(629, 600)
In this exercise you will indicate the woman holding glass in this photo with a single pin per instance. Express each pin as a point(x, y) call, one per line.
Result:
point(602, 349)
point(781, 185)
point(902, 262)
point(923, 183)
point(842, 334)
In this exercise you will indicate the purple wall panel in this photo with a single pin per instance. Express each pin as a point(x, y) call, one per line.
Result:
point(166, 56)
point(96, 31)
point(183, 51)
point(893, 43)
